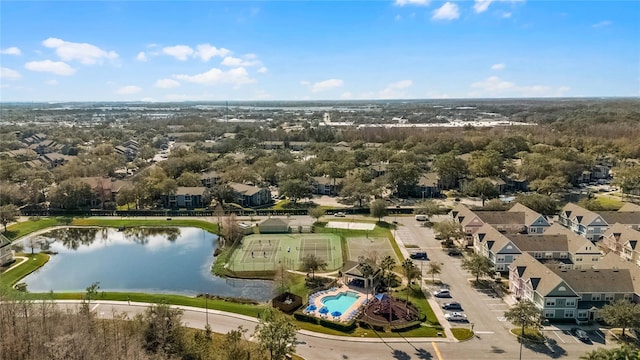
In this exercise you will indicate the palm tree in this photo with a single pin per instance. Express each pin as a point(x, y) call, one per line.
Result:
point(434, 269)
point(410, 272)
point(367, 271)
point(387, 264)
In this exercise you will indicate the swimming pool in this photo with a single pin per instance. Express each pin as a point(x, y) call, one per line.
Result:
point(340, 302)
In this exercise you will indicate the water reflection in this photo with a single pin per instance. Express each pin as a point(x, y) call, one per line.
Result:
point(157, 260)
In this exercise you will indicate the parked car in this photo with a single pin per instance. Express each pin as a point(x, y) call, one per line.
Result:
point(340, 214)
point(442, 293)
point(419, 256)
point(456, 316)
point(452, 306)
point(421, 217)
point(581, 335)
point(454, 252)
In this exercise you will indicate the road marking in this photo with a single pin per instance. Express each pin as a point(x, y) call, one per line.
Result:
point(558, 336)
point(94, 307)
point(497, 304)
point(435, 348)
point(602, 337)
point(485, 332)
point(502, 318)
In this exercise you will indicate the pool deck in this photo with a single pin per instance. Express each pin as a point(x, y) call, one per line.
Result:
point(354, 309)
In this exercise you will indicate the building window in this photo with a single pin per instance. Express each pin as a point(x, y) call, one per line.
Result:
point(548, 255)
point(500, 259)
point(578, 259)
point(571, 302)
point(549, 314)
point(582, 314)
point(563, 255)
point(537, 255)
point(595, 297)
point(550, 302)
point(568, 313)
point(595, 258)
point(608, 297)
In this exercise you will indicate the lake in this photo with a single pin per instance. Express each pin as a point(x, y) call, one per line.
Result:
point(152, 260)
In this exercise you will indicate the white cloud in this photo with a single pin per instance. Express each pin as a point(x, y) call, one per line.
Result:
point(263, 70)
point(166, 84)
point(180, 52)
point(237, 77)
point(11, 51)
point(129, 89)
point(481, 5)
point(395, 90)
point(51, 82)
point(206, 52)
point(234, 61)
point(448, 11)
point(497, 66)
point(141, 56)
point(412, 2)
point(601, 24)
point(493, 86)
point(9, 74)
point(506, 15)
point(83, 52)
point(324, 85)
point(55, 67)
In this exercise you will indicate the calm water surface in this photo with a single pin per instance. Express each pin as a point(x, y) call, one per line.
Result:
point(152, 260)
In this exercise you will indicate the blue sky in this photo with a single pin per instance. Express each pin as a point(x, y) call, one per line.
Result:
point(297, 50)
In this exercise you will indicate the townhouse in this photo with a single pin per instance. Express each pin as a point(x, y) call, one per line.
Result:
point(592, 225)
point(622, 241)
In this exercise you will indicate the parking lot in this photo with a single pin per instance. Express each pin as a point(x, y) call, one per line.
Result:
point(564, 336)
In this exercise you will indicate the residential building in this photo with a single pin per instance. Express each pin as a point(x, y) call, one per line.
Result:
point(322, 185)
point(186, 197)
point(567, 295)
point(101, 191)
point(583, 222)
point(209, 178)
point(6, 255)
point(428, 185)
point(251, 196)
point(628, 218)
point(622, 241)
point(613, 261)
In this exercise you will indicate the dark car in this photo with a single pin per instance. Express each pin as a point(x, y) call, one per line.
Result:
point(581, 335)
point(452, 306)
point(419, 256)
point(454, 252)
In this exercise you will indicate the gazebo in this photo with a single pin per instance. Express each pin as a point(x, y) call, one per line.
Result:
point(353, 276)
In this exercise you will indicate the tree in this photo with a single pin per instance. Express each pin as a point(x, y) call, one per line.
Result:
point(478, 266)
point(387, 264)
point(542, 204)
point(403, 177)
point(625, 352)
point(235, 345)
point(526, 315)
point(296, 189)
point(450, 168)
point(231, 231)
point(621, 313)
point(283, 279)
point(355, 190)
point(276, 334)
point(163, 332)
point(378, 209)
point(482, 188)
point(367, 271)
point(411, 272)
point(449, 230)
point(8, 213)
point(189, 179)
point(486, 163)
point(90, 294)
point(316, 212)
point(552, 184)
point(311, 262)
point(434, 269)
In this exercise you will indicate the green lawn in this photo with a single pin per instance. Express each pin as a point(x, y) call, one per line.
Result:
point(609, 203)
point(417, 298)
point(21, 229)
point(462, 333)
point(33, 263)
point(529, 334)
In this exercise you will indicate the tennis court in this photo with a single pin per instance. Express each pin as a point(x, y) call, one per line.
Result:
point(265, 252)
point(368, 247)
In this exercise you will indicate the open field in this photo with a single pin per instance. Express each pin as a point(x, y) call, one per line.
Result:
point(370, 247)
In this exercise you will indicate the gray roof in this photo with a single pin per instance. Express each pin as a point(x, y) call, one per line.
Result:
point(613, 261)
point(542, 278)
point(501, 217)
point(580, 214)
point(530, 216)
point(625, 217)
point(597, 280)
point(575, 242)
point(191, 190)
point(244, 189)
point(629, 207)
point(540, 243)
point(274, 222)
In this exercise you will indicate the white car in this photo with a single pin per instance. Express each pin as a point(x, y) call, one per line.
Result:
point(456, 316)
point(442, 293)
point(339, 214)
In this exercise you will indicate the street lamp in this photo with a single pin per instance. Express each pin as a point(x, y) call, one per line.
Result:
point(521, 335)
point(206, 307)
